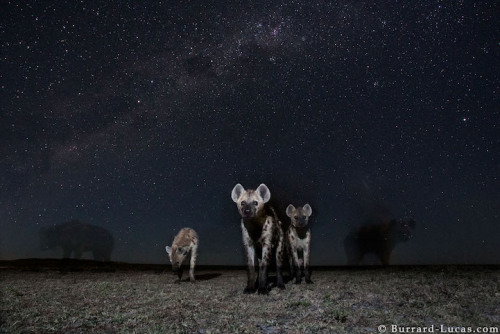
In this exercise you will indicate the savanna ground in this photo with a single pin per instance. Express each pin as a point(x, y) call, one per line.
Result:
point(340, 301)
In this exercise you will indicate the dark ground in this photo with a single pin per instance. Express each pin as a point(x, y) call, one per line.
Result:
point(57, 296)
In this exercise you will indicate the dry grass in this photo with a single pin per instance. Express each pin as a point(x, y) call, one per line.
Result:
point(340, 301)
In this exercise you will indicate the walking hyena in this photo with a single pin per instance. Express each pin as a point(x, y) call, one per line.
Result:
point(298, 237)
point(262, 232)
point(186, 240)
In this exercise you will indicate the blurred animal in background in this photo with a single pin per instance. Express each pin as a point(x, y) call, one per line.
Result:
point(184, 242)
point(262, 234)
point(75, 237)
point(298, 237)
point(379, 238)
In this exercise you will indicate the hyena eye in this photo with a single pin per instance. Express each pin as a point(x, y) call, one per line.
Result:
point(255, 203)
point(296, 217)
point(243, 203)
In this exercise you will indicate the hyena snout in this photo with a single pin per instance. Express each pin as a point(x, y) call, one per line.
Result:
point(248, 210)
point(176, 267)
point(301, 222)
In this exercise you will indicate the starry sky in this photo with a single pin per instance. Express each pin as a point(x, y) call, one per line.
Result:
point(141, 118)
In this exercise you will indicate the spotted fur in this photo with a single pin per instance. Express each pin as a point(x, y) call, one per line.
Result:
point(184, 242)
point(262, 234)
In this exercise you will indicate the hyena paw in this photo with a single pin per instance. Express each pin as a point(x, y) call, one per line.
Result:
point(249, 290)
point(281, 285)
point(308, 281)
point(298, 280)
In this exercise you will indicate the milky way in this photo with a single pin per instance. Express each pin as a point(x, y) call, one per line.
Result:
point(142, 117)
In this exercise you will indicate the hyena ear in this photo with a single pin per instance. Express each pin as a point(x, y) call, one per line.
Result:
point(236, 193)
point(307, 210)
point(264, 192)
point(289, 210)
point(168, 249)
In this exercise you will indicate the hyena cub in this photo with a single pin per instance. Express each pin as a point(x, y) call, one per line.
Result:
point(262, 233)
point(299, 240)
point(186, 240)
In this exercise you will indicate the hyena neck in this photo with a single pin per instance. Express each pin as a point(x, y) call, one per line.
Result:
point(301, 231)
point(254, 225)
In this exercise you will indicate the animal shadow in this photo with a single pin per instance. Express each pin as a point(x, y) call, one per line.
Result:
point(204, 277)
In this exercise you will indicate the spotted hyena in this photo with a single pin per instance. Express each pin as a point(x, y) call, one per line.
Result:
point(298, 238)
point(379, 238)
point(75, 237)
point(262, 234)
point(184, 242)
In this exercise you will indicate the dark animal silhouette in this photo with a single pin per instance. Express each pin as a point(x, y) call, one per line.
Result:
point(77, 237)
point(379, 238)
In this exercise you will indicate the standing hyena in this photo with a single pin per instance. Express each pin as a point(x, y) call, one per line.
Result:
point(299, 240)
point(75, 237)
point(379, 237)
point(186, 240)
point(262, 231)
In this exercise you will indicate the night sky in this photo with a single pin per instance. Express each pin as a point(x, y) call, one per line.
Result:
point(141, 118)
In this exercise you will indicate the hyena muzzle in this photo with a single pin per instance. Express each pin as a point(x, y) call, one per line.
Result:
point(262, 234)
point(298, 238)
point(184, 242)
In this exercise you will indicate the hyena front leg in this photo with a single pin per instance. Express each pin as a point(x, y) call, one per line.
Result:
point(264, 264)
point(179, 273)
point(306, 264)
point(279, 261)
point(298, 274)
point(266, 242)
point(251, 275)
point(290, 259)
point(250, 253)
point(194, 253)
point(385, 257)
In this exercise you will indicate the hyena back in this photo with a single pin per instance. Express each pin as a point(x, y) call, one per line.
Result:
point(298, 237)
point(184, 242)
point(261, 230)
